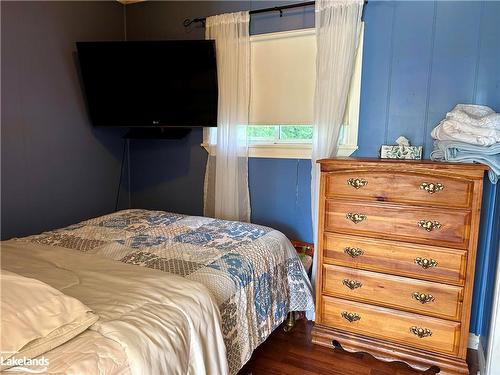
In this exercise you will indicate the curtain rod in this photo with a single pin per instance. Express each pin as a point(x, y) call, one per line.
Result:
point(187, 22)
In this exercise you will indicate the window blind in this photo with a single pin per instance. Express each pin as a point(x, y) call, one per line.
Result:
point(283, 78)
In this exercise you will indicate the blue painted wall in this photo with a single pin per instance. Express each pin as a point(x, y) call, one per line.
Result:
point(280, 195)
point(55, 168)
point(420, 59)
point(486, 263)
point(169, 174)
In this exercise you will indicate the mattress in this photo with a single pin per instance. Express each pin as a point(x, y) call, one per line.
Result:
point(252, 272)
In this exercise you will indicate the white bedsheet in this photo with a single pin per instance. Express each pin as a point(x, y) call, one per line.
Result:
point(88, 353)
point(164, 324)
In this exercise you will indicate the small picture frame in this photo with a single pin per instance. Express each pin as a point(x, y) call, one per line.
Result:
point(401, 152)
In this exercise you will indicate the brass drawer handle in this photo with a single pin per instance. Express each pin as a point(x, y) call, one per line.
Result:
point(353, 252)
point(350, 317)
point(423, 298)
point(421, 332)
point(355, 218)
point(432, 188)
point(429, 225)
point(426, 263)
point(357, 183)
point(352, 284)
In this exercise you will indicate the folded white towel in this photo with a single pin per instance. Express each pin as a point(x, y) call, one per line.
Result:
point(474, 124)
point(475, 115)
point(452, 130)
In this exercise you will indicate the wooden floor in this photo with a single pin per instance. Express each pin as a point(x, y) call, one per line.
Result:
point(294, 354)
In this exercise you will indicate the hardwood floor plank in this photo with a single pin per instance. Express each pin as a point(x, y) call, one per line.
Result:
point(293, 354)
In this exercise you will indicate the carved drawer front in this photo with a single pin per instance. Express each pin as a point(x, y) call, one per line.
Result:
point(394, 257)
point(423, 297)
point(400, 187)
point(401, 327)
point(443, 227)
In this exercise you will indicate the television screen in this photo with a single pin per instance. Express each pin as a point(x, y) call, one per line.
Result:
point(150, 84)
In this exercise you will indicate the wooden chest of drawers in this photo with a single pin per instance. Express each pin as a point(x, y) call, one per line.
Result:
point(396, 256)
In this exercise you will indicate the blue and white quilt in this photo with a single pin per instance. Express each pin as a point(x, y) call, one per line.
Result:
point(252, 272)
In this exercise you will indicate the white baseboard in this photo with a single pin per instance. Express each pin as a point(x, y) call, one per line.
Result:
point(473, 341)
point(482, 359)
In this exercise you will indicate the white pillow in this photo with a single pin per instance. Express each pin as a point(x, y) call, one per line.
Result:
point(36, 318)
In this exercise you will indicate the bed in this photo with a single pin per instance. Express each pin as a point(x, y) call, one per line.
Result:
point(252, 273)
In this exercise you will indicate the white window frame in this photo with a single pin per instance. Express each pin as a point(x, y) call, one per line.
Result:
point(298, 150)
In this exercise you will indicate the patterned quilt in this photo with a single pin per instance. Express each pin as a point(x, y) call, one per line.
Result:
point(252, 271)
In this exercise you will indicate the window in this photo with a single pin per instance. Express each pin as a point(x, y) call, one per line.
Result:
point(279, 134)
point(282, 96)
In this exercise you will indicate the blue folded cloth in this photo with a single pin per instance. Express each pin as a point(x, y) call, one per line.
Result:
point(454, 151)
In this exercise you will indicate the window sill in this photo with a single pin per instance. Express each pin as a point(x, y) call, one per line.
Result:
point(288, 150)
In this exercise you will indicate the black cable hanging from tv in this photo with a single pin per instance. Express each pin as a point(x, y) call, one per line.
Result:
point(188, 22)
point(125, 147)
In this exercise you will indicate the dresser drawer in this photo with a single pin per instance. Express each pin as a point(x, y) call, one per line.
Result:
point(392, 325)
point(417, 261)
point(446, 227)
point(423, 297)
point(400, 187)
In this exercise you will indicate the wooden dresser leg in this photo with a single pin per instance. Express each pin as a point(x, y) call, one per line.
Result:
point(388, 352)
point(289, 322)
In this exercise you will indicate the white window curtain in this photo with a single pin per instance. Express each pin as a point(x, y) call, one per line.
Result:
point(226, 177)
point(338, 26)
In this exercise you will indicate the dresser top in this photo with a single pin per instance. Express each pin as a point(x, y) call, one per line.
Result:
point(468, 169)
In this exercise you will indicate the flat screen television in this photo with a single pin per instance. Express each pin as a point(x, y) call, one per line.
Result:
point(150, 84)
